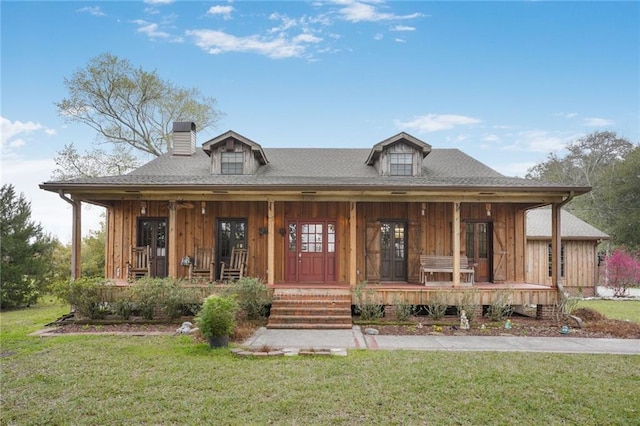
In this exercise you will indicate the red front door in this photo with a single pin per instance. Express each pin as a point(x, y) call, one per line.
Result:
point(311, 251)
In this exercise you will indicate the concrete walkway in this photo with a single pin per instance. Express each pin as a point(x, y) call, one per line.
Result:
point(354, 339)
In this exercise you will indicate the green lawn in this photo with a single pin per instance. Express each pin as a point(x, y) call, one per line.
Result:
point(171, 380)
point(615, 309)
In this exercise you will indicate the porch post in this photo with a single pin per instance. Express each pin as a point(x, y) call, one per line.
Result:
point(76, 239)
point(271, 241)
point(353, 258)
point(173, 240)
point(456, 243)
point(555, 246)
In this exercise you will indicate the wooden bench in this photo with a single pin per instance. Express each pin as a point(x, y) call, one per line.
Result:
point(430, 264)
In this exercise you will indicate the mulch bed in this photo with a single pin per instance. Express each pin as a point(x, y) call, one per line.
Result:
point(594, 326)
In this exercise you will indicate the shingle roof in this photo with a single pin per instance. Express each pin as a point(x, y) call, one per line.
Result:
point(539, 226)
point(318, 167)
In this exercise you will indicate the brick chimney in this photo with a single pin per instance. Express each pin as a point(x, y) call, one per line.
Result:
point(184, 138)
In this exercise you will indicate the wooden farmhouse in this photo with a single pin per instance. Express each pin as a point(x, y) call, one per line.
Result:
point(579, 261)
point(410, 220)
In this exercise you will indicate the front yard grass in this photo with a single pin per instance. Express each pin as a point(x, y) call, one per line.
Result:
point(614, 309)
point(172, 380)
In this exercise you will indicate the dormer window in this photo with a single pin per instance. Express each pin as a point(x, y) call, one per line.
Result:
point(400, 164)
point(400, 155)
point(233, 154)
point(232, 163)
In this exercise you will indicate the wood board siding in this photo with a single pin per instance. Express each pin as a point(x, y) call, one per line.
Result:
point(193, 228)
point(581, 265)
point(428, 233)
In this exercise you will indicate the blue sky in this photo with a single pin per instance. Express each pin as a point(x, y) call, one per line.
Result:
point(505, 82)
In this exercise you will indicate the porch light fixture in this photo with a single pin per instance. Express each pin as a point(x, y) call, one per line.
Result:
point(203, 207)
point(424, 207)
point(488, 207)
point(143, 207)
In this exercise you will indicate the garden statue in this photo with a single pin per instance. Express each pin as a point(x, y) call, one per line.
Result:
point(464, 322)
point(507, 324)
point(186, 328)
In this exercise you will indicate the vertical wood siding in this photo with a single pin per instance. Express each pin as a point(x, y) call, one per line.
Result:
point(427, 234)
point(581, 269)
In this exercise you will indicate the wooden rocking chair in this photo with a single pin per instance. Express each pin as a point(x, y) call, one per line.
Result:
point(140, 263)
point(203, 264)
point(236, 267)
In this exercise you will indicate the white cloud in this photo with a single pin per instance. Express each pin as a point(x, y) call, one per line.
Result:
point(368, 11)
point(15, 134)
point(400, 40)
point(539, 141)
point(150, 29)
point(92, 10)
point(403, 28)
point(11, 129)
point(378, 36)
point(306, 38)
point(217, 42)
point(566, 114)
point(436, 122)
point(159, 2)
point(598, 122)
point(224, 11)
point(490, 138)
point(515, 169)
point(287, 23)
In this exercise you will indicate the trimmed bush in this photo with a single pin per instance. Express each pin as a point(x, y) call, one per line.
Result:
point(84, 295)
point(252, 295)
point(217, 318)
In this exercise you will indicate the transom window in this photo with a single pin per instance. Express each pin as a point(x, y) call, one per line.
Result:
point(401, 164)
point(232, 163)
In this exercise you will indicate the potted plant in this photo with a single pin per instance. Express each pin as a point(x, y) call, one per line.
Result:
point(217, 319)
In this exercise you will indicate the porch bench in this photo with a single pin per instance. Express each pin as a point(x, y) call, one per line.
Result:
point(430, 264)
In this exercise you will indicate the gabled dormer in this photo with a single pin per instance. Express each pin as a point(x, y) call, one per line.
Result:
point(400, 155)
point(233, 154)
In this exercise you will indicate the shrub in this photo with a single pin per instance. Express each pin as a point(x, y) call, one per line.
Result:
point(437, 307)
point(217, 318)
point(563, 308)
point(84, 295)
point(500, 308)
point(403, 310)
point(252, 295)
point(366, 305)
point(466, 303)
point(146, 294)
point(123, 308)
point(167, 294)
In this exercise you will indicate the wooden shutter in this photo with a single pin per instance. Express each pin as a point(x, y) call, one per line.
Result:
point(372, 251)
point(413, 258)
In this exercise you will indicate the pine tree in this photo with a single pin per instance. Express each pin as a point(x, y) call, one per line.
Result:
point(25, 252)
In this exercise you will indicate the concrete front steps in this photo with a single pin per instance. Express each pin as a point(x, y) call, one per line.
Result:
point(311, 309)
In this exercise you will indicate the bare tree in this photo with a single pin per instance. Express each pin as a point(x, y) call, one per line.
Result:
point(130, 108)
